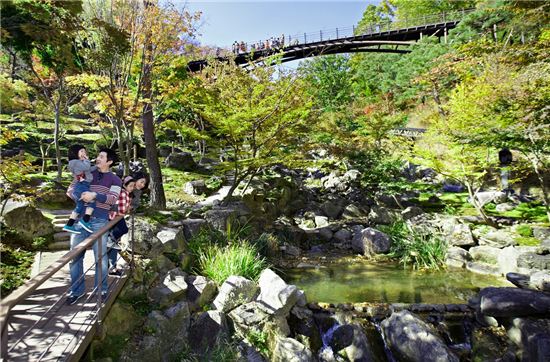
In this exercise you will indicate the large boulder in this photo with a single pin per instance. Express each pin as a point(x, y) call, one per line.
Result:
point(191, 227)
point(182, 161)
point(352, 176)
point(276, 296)
point(486, 197)
point(333, 207)
point(461, 235)
point(236, 290)
point(146, 241)
point(252, 318)
point(381, 215)
point(411, 212)
point(172, 288)
point(534, 261)
point(354, 211)
point(206, 330)
point(412, 339)
point(219, 216)
point(540, 280)
point(532, 336)
point(541, 233)
point(342, 236)
point(303, 326)
point(28, 221)
point(497, 238)
point(321, 221)
point(371, 242)
point(332, 182)
point(172, 240)
point(121, 319)
point(290, 350)
point(485, 254)
point(167, 332)
point(200, 290)
point(457, 257)
point(513, 302)
point(353, 341)
point(196, 187)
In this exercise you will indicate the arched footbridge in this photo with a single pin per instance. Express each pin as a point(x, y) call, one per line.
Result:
point(389, 37)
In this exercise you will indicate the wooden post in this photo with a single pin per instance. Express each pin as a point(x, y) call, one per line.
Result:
point(337, 33)
point(321, 34)
point(445, 34)
point(420, 35)
point(495, 32)
point(305, 38)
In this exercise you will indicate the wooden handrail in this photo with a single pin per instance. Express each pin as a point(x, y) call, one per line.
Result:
point(30, 286)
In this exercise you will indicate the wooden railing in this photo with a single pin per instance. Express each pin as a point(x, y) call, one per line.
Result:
point(19, 295)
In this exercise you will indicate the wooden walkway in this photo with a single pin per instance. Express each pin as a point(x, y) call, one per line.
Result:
point(43, 328)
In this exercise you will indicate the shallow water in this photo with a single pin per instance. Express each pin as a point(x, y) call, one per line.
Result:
point(349, 281)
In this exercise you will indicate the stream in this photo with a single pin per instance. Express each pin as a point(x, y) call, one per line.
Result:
point(348, 280)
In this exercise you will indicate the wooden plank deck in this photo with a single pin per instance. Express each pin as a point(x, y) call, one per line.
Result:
point(63, 332)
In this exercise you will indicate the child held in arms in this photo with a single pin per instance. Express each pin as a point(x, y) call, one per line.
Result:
point(81, 169)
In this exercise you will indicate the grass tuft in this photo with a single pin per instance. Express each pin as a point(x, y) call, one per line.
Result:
point(219, 262)
point(419, 247)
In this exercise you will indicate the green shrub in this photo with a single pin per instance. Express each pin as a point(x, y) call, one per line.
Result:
point(524, 230)
point(420, 247)
point(527, 241)
point(219, 262)
point(15, 267)
point(223, 351)
point(259, 339)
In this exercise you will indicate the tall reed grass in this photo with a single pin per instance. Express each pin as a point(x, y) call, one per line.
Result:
point(420, 247)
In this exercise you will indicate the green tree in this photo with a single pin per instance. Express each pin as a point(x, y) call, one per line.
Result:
point(328, 81)
point(43, 34)
point(262, 119)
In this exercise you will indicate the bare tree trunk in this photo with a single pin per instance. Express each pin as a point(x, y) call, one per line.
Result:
point(478, 207)
point(158, 199)
point(44, 151)
point(120, 141)
point(57, 109)
point(437, 99)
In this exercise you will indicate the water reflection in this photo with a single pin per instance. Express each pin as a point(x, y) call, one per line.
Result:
point(346, 281)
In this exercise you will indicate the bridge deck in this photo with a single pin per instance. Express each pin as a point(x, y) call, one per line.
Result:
point(66, 330)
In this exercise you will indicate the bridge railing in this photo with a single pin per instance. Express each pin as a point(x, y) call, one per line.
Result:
point(20, 295)
point(284, 41)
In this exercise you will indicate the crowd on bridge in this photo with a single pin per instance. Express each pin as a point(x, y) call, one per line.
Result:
point(272, 43)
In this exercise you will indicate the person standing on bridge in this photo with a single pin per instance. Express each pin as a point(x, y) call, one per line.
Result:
point(104, 190)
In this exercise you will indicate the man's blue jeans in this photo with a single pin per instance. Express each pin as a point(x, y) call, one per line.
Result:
point(79, 188)
point(77, 264)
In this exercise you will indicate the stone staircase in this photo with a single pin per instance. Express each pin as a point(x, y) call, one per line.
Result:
point(61, 238)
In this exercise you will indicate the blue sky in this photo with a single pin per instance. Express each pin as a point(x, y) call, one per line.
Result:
point(224, 22)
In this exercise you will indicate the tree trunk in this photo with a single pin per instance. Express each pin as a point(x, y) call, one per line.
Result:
point(56, 132)
point(44, 152)
point(120, 141)
point(478, 207)
point(158, 200)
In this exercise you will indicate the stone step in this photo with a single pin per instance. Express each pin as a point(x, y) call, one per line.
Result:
point(59, 212)
point(60, 245)
point(61, 217)
point(61, 236)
